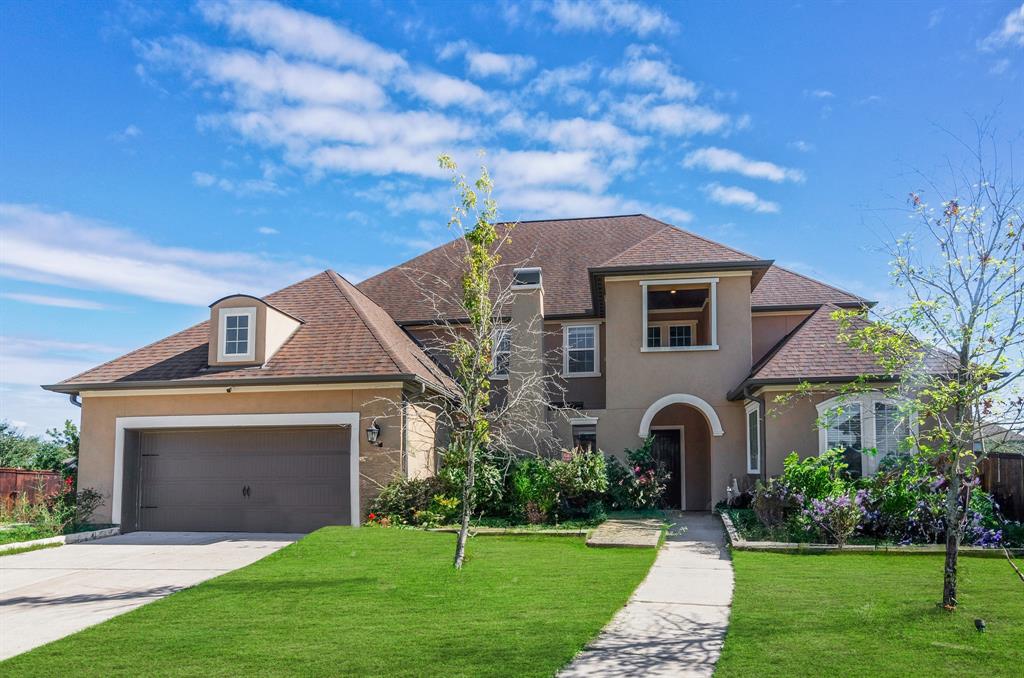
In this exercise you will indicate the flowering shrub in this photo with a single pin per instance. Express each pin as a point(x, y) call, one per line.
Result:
point(638, 484)
point(837, 517)
point(774, 502)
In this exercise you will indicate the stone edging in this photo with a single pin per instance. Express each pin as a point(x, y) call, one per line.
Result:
point(737, 542)
point(73, 538)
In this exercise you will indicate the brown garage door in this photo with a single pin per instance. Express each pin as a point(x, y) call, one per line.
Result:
point(243, 479)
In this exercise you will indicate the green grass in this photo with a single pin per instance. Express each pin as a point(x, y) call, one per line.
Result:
point(359, 602)
point(25, 533)
point(870, 615)
point(26, 549)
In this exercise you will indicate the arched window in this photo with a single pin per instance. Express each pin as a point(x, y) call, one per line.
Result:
point(861, 422)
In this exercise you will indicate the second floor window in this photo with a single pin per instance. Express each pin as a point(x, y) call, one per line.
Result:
point(680, 335)
point(237, 340)
point(653, 336)
point(581, 350)
point(501, 353)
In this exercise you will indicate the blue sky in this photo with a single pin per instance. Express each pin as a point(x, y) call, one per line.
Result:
point(156, 157)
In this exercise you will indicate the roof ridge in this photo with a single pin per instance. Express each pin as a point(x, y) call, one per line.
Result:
point(367, 323)
point(823, 283)
point(700, 237)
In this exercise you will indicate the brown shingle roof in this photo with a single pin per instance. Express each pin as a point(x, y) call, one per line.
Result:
point(563, 248)
point(568, 250)
point(813, 352)
point(782, 287)
point(344, 334)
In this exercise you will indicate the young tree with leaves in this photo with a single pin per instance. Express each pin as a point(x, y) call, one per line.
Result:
point(955, 347)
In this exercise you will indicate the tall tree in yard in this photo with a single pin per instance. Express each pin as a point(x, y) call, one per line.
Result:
point(956, 343)
point(472, 335)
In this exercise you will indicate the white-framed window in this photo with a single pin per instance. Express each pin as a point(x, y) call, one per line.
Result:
point(581, 355)
point(864, 422)
point(681, 335)
point(584, 432)
point(237, 337)
point(501, 352)
point(753, 438)
point(672, 311)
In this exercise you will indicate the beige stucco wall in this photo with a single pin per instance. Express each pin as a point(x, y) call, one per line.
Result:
point(587, 390)
point(790, 426)
point(768, 329)
point(422, 439)
point(636, 379)
point(377, 465)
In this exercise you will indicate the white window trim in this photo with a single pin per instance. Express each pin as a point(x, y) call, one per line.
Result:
point(753, 407)
point(713, 330)
point(498, 329)
point(350, 419)
point(565, 351)
point(583, 421)
point(224, 313)
point(868, 433)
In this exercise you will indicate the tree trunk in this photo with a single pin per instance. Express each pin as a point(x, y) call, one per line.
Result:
point(467, 508)
point(953, 528)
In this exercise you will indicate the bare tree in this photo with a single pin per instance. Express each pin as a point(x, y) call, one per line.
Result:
point(475, 334)
point(956, 344)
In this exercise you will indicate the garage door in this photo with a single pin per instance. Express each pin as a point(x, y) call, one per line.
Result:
point(243, 479)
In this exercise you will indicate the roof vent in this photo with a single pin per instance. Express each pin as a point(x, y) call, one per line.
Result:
point(526, 278)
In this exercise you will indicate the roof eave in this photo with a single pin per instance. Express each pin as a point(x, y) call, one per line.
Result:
point(811, 307)
point(737, 393)
point(77, 388)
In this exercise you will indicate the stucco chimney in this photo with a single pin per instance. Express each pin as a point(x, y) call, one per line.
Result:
point(526, 360)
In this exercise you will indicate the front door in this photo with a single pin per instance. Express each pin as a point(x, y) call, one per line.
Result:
point(668, 450)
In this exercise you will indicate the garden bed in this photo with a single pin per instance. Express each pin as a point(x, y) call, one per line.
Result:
point(734, 521)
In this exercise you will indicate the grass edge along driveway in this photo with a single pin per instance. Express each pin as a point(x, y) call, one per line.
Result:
point(870, 615)
point(367, 601)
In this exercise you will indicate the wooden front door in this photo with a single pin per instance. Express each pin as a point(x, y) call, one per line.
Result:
point(668, 450)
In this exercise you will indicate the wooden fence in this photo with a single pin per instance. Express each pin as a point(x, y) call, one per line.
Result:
point(36, 485)
point(1003, 476)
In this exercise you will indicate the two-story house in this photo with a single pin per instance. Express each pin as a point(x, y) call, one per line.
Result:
point(270, 415)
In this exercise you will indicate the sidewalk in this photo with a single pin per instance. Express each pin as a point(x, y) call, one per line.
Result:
point(675, 622)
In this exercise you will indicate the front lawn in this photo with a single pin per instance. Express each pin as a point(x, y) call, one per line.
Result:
point(870, 615)
point(368, 601)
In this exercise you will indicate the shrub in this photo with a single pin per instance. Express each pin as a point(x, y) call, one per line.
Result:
point(837, 517)
point(638, 484)
point(774, 502)
point(816, 477)
point(532, 491)
point(488, 480)
point(580, 479)
point(400, 500)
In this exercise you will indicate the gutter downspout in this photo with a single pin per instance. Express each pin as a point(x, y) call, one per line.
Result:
point(73, 397)
point(762, 436)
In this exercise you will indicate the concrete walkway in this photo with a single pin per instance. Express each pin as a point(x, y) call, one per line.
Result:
point(49, 594)
point(626, 533)
point(675, 622)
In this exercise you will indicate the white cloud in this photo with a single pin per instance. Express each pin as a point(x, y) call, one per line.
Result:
point(801, 145)
point(639, 70)
point(60, 302)
point(443, 90)
point(267, 230)
point(819, 94)
point(674, 119)
point(540, 202)
point(716, 159)
point(127, 134)
point(511, 67)
point(935, 17)
point(514, 169)
point(739, 197)
point(563, 83)
point(247, 187)
point(1010, 33)
point(608, 16)
point(253, 77)
point(32, 361)
point(65, 249)
point(999, 67)
point(293, 31)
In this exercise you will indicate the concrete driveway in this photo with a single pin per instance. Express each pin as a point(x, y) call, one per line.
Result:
point(48, 594)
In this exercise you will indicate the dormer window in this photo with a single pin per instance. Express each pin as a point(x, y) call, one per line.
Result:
point(237, 334)
point(680, 315)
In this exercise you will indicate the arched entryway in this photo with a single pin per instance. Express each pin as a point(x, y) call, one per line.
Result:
point(682, 426)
